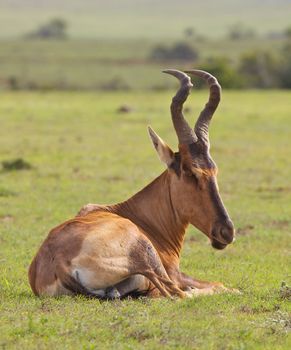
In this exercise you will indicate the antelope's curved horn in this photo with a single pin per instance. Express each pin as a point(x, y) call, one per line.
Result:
point(185, 133)
point(203, 121)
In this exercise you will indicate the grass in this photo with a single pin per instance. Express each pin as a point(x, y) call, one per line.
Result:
point(97, 64)
point(82, 150)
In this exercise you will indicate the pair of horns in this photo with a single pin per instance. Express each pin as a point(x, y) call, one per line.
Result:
point(187, 135)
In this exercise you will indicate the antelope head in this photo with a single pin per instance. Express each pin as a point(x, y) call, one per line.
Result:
point(192, 173)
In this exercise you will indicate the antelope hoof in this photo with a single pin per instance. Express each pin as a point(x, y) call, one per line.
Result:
point(112, 293)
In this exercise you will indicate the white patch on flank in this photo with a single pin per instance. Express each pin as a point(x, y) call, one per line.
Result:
point(85, 278)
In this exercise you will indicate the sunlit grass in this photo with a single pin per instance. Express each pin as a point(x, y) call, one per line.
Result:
point(82, 150)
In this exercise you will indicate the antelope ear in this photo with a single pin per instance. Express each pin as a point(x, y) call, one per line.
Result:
point(165, 153)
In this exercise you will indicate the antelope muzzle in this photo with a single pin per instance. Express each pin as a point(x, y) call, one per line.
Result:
point(223, 233)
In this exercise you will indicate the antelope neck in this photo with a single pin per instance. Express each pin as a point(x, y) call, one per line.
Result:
point(152, 209)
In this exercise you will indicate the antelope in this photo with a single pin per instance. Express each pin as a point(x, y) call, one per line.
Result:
point(133, 247)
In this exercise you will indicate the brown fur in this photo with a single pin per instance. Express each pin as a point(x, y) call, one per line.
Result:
point(51, 272)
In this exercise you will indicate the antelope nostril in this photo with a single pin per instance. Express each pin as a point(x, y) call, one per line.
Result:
point(223, 232)
point(227, 234)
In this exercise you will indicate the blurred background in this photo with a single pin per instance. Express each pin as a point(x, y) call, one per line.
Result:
point(121, 45)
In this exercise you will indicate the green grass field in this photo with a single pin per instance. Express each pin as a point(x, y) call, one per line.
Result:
point(82, 150)
point(106, 64)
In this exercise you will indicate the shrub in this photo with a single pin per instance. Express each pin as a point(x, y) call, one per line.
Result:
point(239, 32)
point(224, 71)
point(180, 51)
point(287, 32)
point(285, 66)
point(16, 164)
point(54, 29)
point(259, 69)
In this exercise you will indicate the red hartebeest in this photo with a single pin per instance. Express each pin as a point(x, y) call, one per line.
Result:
point(134, 247)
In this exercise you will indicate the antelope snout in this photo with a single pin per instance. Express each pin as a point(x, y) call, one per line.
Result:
point(223, 233)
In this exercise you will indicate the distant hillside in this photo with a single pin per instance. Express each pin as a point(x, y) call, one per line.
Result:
point(144, 18)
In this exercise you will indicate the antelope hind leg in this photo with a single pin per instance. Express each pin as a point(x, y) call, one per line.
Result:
point(146, 261)
point(135, 285)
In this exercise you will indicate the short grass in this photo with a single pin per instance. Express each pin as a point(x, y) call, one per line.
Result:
point(82, 150)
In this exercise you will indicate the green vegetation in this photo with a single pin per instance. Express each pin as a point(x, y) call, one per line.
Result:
point(82, 150)
point(115, 64)
point(54, 29)
point(181, 51)
point(113, 45)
